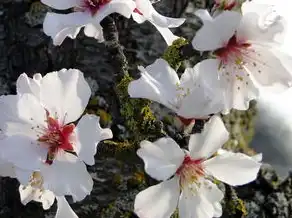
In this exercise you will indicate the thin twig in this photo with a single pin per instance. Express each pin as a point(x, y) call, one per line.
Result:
point(117, 56)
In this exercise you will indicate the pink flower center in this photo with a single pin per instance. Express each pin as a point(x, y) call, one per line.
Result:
point(233, 51)
point(56, 137)
point(136, 10)
point(225, 5)
point(93, 5)
point(186, 121)
point(190, 171)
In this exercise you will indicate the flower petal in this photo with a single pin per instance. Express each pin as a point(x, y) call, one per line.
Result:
point(47, 199)
point(233, 169)
point(69, 96)
point(123, 7)
point(158, 201)
point(23, 176)
point(95, 31)
point(24, 84)
point(158, 83)
point(17, 118)
point(6, 169)
point(265, 62)
point(216, 33)
point(67, 176)
point(23, 152)
point(62, 5)
point(261, 22)
point(162, 158)
point(167, 35)
point(138, 17)
point(35, 114)
point(212, 138)
point(89, 134)
point(60, 26)
point(193, 205)
point(204, 15)
point(166, 22)
point(237, 88)
point(64, 210)
point(28, 193)
point(217, 209)
point(210, 191)
point(148, 11)
point(202, 98)
point(200, 204)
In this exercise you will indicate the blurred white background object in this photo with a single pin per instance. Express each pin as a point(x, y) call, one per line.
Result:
point(273, 132)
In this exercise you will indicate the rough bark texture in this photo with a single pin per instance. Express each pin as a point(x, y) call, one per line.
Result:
point(25, 48)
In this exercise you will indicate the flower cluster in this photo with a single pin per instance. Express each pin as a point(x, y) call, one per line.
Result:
point(42, 145)
point(89, 14)
point(47, 140)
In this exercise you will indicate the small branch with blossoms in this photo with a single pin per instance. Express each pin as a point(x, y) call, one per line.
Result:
point(47, 140)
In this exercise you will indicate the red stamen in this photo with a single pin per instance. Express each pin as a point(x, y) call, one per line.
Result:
point(186, 121)
point(56, 137)
point(232, 49)
point(225, 5)
point(136, 10)
point(187, 162)
point(94, 5)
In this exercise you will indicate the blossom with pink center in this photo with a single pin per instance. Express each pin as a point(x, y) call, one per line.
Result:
point(145, 11)
point(189, 97)
point(40, 136)
point(187, 175)
point(247, 55)
point(87, 14)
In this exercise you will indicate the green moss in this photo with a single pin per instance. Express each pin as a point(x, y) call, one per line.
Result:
point(240, 125)
point(234, 205)
point(137, 113)
point(117, 149)
point(117, 179)
point(137, 179)
point(175, 214)
point(173, 55)
point(93, 101)
point(105, 117)
point(127, 215)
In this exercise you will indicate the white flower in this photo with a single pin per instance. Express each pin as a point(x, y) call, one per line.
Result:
point(189, 97)
point(40, 135)
point(145, 11)
point(248, 56)
point(88, 14)
point(186, 175)
point(35, 192)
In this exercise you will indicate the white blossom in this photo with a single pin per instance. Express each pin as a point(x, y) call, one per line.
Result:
point(247, 55)
point(87, 14)
point(189, 97)
point(40, 136)
point(187, 175)
point(34, 191)
point(145, 11)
